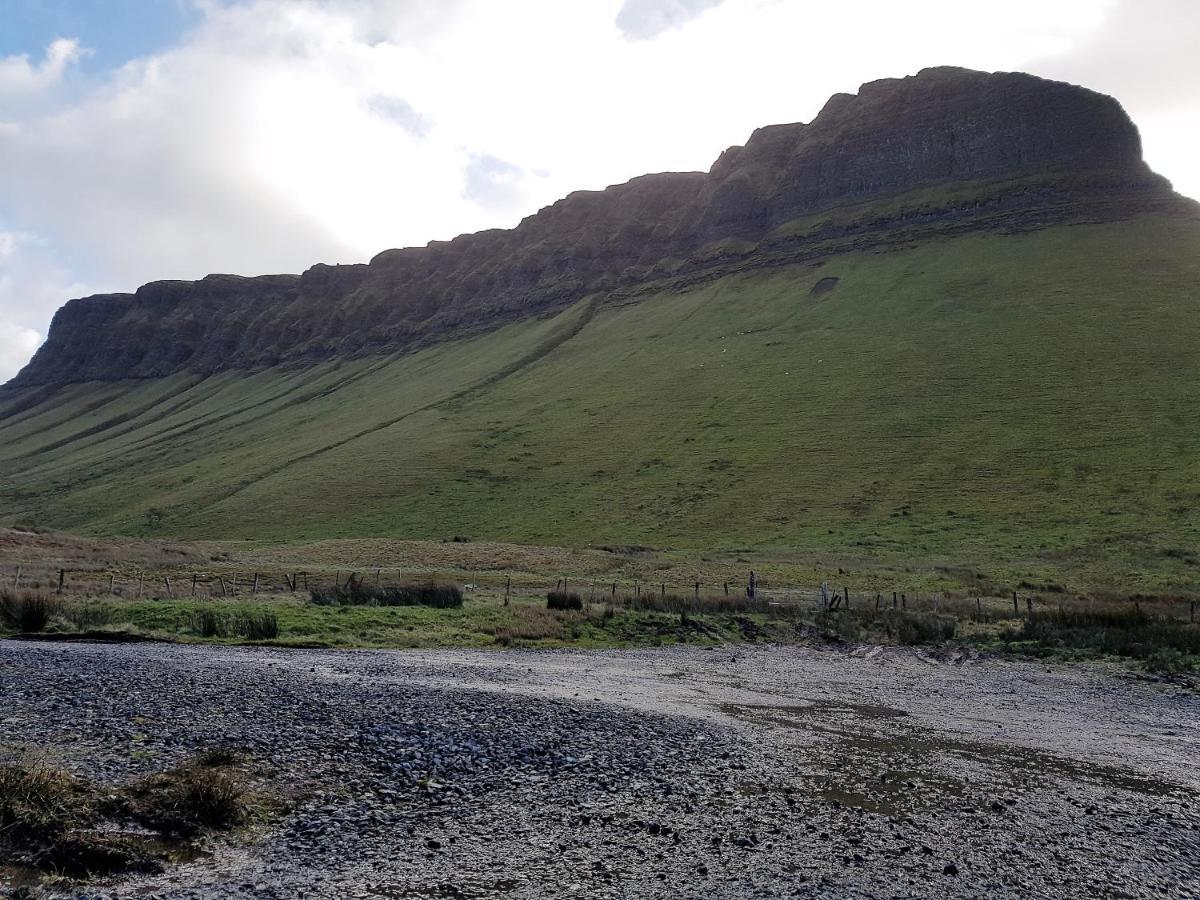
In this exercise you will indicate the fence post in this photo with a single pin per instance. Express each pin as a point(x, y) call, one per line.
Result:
point(903, 602)
point(727, 589)
point(193, 584)
point(167, 582)
point(978, 606)
point(62, 573)
point(17, 579)
point(1029, 605)
point(893, 600)
point(877, 599)
point(141, 582)
point(304, 575)
point(1016, 609)
point(254, 589)
point(507, 588)
point(110, 582)
point(846, 591)
point(663, 590)
point(614, 592)
point(221, 582)
point(696, 592)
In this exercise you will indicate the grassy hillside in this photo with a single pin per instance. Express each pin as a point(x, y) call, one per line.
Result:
point(993, 399)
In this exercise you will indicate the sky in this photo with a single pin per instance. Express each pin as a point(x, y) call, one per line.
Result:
point(149, 139)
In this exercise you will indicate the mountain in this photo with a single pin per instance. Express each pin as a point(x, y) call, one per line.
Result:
point(1021, 153)
point(954, 315)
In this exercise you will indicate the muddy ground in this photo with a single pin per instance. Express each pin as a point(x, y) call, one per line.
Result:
point(764, 772)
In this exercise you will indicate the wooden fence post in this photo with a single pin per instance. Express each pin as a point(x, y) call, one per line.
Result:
point(878, 597)
point(17, 579)
point(727, 589)
point(696, 592)
point(141, 583)
point(1016, 609)
point(663, 590)
point(903, 602)
point(254, 589)
point(62, 574)
point(1029, 605)
point(893, 600)
point(193, 584)
point(846, 591)
point(221, 582)
point(507, 588)
point(167, 582)
point(110, 582)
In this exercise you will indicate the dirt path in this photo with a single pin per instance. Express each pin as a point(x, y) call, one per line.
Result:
point(670, 773)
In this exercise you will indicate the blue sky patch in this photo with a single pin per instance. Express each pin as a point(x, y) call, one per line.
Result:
point(114, 31)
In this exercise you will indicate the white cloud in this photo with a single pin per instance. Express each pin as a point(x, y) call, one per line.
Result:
point(20, 76)
point(33, 284)
point(17, 345)
point(279, 133)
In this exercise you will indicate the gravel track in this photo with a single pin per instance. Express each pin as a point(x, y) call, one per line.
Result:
point(684, 772)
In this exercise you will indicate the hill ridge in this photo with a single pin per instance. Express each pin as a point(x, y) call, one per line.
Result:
point(944, 151)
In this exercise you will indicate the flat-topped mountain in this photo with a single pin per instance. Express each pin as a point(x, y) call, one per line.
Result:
point(953, 318)
point(956, 149)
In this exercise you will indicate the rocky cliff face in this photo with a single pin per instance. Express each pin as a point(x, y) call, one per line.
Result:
point(946, 149)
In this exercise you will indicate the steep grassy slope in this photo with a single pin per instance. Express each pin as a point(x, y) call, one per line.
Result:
point(986, 397)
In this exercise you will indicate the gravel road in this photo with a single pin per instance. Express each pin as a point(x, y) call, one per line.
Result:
point(686, 772)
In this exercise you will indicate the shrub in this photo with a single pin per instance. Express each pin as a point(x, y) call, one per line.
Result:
point(439, 595)
point(1113, 628)
point(675, 603)
point(35, 801)
point(262, 626)
point(26, 611)
point(563, 601)
point(206, 623)
point(924, 628)
point(182, 802)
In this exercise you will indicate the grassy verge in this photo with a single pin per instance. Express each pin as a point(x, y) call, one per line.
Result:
point(1156, 634)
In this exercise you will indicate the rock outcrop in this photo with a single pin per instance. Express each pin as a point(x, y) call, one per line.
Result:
point(944, 150)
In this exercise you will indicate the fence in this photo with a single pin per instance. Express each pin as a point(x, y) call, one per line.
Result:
point(694, 596)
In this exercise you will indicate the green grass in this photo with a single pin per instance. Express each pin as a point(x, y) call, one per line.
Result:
point(1019, 405)
point(525, 622)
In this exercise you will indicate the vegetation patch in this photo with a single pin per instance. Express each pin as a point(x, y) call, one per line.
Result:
point(357, 593)
point(1163, 643)
point(27, 612)
point(55, 823)
point(563, 601)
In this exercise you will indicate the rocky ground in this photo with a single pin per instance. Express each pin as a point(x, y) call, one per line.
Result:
point(687, 772)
